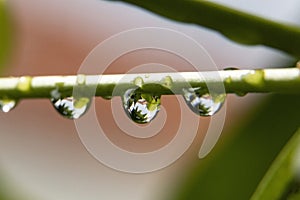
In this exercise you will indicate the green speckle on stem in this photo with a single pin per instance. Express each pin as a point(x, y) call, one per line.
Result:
point(138, 81)
point(24, 84)
point(167, 82)
point(59, 84)
point(80, 79)
point(228, 80)
point(256, 78)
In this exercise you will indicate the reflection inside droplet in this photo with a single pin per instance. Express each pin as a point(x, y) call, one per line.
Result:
point(203, 104)
point(70, 107)
point(141, 108)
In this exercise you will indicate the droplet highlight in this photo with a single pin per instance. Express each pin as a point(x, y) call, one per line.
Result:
point(70, 107)
point(203, 104)
point(7, 105)
point(141, 108)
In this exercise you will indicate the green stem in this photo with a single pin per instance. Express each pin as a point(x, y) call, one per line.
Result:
point(236, 25)
point(286, 80)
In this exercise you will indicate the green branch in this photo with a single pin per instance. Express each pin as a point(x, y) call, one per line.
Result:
point(238, 26)
point(285, 80)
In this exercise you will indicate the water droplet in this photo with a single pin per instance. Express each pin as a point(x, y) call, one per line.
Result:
point(203, 104)
point(141, 108)
point(70, 107)
point(107, 97)
point(241, 94)
point(7, 105)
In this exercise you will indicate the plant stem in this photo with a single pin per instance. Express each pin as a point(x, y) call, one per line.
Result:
point(286, 80)
point(238, 26)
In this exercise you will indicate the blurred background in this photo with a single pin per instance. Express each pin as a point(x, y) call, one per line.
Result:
point(41, 156)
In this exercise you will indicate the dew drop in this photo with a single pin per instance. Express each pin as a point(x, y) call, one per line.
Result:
point(141, 108)
point(107, 97)
point(241, 94)
point(203, 104)
point(7, 105)
point(70, 107)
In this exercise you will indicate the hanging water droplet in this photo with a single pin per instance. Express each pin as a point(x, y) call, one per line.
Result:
point(141, 108)
point(107, 97)
point(241, 94)
point(7, 105)
point(203, 104)
point(70, 107)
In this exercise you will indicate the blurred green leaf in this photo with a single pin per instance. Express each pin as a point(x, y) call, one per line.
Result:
point(236, 25)
point(5, 192)
point(234, 169)
point(280, 180)
point(5, 42)
point(5, 35)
